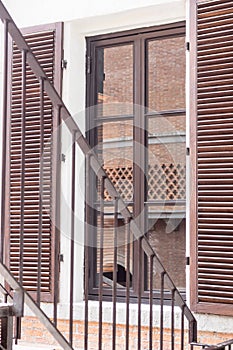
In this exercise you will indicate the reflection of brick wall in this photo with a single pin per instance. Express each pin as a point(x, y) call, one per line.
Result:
point(170, 247)
point(166, 74)
point(108, 246)
point(118, 70)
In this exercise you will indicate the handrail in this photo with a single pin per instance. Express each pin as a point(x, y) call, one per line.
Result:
point(219, 346)
point(97, 168)
point(10, 279)
point(222, 345)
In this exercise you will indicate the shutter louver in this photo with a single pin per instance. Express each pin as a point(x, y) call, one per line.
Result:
point(212, 155)
point(43, 42)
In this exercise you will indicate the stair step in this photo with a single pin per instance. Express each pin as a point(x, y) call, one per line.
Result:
point(30, 346)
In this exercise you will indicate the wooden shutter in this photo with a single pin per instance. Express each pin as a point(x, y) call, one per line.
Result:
point(46, 43)
point(211, 100)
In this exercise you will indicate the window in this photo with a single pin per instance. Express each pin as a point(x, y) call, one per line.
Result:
point(211, 157)
point(136, 124)
point(28, 206)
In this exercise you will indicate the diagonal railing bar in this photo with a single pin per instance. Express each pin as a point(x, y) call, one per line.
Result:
point(226, 345)
point(222, 346)
point(100, 173)
point(10, 279)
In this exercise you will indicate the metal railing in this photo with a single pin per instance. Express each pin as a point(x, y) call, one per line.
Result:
point(162, 340)
point(11, 311)
point(227, 345)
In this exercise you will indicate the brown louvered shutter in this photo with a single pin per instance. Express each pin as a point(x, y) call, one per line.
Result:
point(211, 100)
point(46, 43)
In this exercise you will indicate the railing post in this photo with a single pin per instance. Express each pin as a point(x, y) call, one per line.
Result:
point(114, 292)
point(73, 196)
point(127, 223)
point(56, 140)
point(161, 309)
point(151, 265)
point(22, 184)
point(86, 251)
point(6, 332)
point(41, 188)
point(102, 188)
point(4, 136)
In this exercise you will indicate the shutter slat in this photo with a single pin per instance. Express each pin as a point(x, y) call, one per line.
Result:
point(212, 152)
point(43, 44)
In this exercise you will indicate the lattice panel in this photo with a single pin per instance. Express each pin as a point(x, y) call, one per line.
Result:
point(165, 182)
point(122, 178)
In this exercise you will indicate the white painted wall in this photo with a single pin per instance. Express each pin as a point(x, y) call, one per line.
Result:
point(45, 11)
point(74, 94)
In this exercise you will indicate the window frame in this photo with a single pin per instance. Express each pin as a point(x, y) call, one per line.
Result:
point(139, 37)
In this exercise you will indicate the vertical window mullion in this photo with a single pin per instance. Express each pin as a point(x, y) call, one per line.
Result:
point(139, 157)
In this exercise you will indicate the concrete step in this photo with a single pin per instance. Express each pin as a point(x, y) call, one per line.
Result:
point(33, 346)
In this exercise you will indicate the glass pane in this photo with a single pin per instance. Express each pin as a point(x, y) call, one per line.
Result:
point(167, 237)
point(108, 250)
point(115, 80)
point(166, 74)
point(115, 150)
point(166, 193)
point(166, 158)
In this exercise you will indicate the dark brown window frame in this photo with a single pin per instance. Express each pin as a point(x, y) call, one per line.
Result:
point(55, 158)
point(139, 38)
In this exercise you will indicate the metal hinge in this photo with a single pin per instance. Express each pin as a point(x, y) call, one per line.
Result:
point(63, 157)
point(187, 260)
point(187, 151)
point(88, 67)
point(63, 64)
point(188, 46)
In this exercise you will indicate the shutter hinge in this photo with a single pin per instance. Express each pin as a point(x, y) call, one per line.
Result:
point(63, 64)
point(89, 64)
point(187, 260)
point(187, 151)
point(188, 46)
point(61, 257)
point(63, 157)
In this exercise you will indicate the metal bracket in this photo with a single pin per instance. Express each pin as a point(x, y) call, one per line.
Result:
point(63, 157)
point(18, 302)
point(88, 67)
point(63, 64)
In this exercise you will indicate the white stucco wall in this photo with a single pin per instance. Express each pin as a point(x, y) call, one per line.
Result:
point(74, 83)
point(45, 11)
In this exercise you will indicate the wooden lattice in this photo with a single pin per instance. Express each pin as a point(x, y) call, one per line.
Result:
point(122, 178)
point(164, 181)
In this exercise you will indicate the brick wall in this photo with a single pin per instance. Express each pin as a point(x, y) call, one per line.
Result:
point(33, 332)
